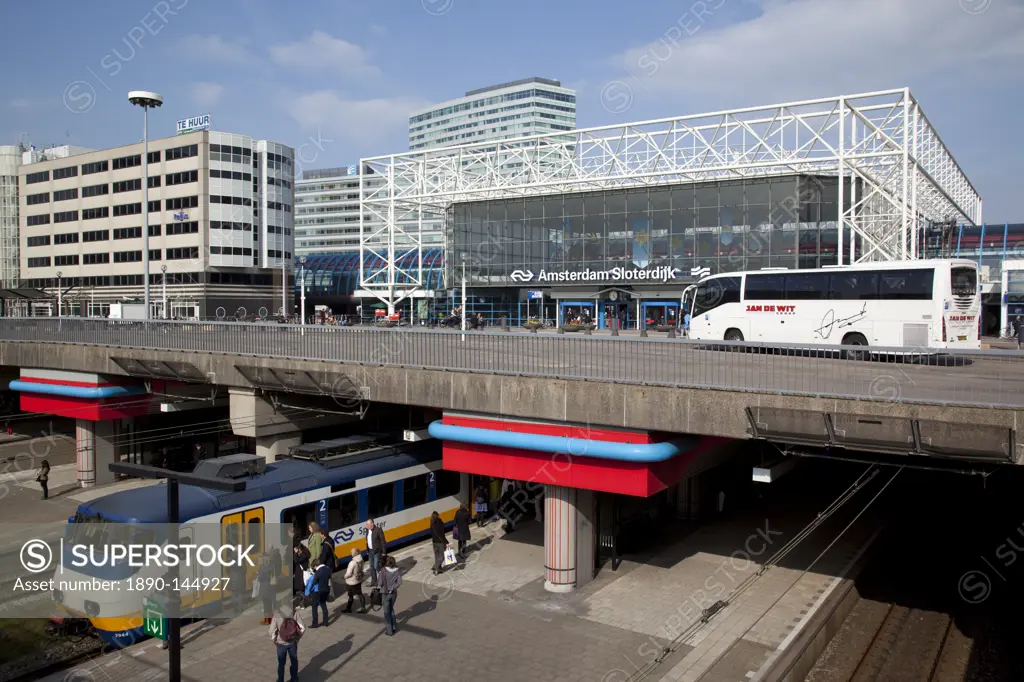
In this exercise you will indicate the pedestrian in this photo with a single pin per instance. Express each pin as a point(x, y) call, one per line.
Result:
point(285, 631)
point(462, 528)
point(44, 478)
point(392, 580)
point(505, 507)
point(315, 540)
point(319, 591)
point(480, 505)
point(10, 431)
point(377, 546)
point(300, 562)
point(440, 542)
point(266, 577)
point(354, 577)
point(1020, 333)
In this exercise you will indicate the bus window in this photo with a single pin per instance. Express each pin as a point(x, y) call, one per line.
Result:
point(806, 286)
point(907, 285)
point(964, 281)
point(715, 292)
point(853, 286)
point(765, 288)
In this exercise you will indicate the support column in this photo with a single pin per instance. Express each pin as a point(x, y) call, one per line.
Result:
point(569, 542)
point(96, 446)
point(273, 447)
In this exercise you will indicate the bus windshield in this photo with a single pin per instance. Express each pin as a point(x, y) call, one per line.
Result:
point(964, 281)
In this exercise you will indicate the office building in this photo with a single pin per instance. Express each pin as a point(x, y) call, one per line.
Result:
point(220, 227)
point(327, 210)
point(532, 106)
point(10, 161)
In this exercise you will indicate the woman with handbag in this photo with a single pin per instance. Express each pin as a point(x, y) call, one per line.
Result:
point(44, 478)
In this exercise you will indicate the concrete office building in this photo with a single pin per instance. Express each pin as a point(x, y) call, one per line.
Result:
point(220, 234)
point(327, 210)
point(10, 161)
point(532, 106)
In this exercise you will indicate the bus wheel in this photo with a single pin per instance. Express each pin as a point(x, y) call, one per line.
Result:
point(734, 335)
point(856, 340)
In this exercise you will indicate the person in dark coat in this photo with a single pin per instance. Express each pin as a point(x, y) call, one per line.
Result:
point(440, 542)
point(377, 549)
point(300, 562)
point(322, 591)
point(481, 505)
point(462, 518)
point(1020, 333)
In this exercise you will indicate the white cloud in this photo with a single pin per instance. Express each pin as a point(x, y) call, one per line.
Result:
point(206, 94)
point(363, 121)
point(818, 48)
point(321, 50)
point(214, 48)
point(20, 103)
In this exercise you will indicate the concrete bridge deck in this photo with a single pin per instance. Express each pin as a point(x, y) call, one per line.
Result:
point(736, 390)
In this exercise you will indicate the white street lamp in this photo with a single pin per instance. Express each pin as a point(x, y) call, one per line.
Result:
point(163, 282)
point(302, 292)
point(463, 296)
point(60, 294)
point(146, 100)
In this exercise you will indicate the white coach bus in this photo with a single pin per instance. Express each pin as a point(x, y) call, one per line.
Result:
point(933, 304)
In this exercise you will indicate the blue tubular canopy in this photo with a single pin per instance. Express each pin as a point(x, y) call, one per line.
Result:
point(579, 447)
point(95, 393)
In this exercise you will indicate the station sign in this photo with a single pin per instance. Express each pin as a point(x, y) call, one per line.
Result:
point(191, 125)
point(662, 273)
point(534, 295)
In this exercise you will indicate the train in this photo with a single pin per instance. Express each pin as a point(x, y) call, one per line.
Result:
point(398, 485)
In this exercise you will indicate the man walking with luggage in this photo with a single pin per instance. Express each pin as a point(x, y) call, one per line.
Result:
point(377, 547)
point(440, 542)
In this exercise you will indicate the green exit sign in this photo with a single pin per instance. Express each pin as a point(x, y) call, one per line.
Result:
point(154, 619)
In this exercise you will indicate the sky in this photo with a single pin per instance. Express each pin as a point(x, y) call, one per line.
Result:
point(337, 79)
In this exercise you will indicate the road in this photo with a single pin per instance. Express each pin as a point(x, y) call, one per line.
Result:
point(990, 378)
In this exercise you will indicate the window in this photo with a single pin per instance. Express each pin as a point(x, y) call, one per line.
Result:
point(380, 500)
point(716, 292)
point(65, 217)
point(189, 227)
point(297, 518)
point(93, 213)
point(95, 190)
point(181, 152)
point(235, 201)
point(447, 484)
point(906, 285)
point(964, 281)
point(127, 209)
point(69, 172)
point(853, 286)
point(127, 162)
point(127, 256)
point(181, 178)
point(39, 241)
point(33, 178)
point(96, 236)
point(179, 203)
point(153, 157)
point(38, 219)
point(66, 260)
point(66, 238)
point(95, 258)
point(154, 254)
point(126, 280)
point(183, 253)
point(765, 288)
point(414, 491)
point(40, 262)
point(154, 230)
point(66, 194)
point(342, 511)
point(154, 181)
point(33, 199)
point(807, 286)
point(95, 167)
point(128, 185)
point(128, 233)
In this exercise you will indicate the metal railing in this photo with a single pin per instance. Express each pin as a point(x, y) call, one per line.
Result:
point(973, 378)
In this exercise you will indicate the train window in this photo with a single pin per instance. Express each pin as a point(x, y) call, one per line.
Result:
point(299, 518)
point(380, 500)
point(448, 484)
point(254, 535)
point(342, 511)
point(414, 491)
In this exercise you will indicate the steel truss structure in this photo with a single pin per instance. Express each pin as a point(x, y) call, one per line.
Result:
point(907, 176)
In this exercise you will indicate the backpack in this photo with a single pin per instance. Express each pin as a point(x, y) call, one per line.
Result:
point(289, 632)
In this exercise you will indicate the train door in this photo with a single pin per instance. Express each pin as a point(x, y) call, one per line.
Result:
point(243, 529)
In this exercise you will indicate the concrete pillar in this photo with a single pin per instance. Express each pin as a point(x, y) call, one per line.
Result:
point(96, 446)
point(569, 538)
point(273, 447)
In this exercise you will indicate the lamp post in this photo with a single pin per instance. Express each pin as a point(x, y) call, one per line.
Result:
point(146, 100)
point(163, 283)
point(463, 296)
point(60, 294)
point(302, 293)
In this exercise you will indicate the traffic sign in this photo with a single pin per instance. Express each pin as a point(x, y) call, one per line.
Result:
point(154, 619)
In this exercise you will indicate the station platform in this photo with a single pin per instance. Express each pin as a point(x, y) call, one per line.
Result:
point(491, 616)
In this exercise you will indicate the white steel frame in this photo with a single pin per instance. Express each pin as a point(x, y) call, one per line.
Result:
point(907, 174)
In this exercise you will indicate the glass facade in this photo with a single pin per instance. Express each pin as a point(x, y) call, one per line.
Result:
point(726, 226)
